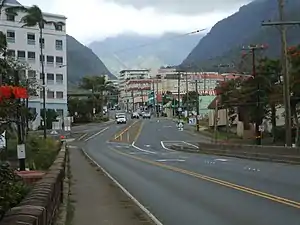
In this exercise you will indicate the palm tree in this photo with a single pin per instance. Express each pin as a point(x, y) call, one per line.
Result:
point(34, 17)
point(97, 84)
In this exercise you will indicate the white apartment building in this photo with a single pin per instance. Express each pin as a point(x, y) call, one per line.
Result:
point(134, 86)
point(24, 44)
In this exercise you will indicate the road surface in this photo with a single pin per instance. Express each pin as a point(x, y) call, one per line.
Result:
point(182, 188)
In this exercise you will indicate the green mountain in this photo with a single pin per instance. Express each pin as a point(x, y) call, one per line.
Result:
point(82, 62)
point(225, 41)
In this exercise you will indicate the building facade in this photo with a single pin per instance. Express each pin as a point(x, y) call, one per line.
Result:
point(134, 86)
point(24, 46)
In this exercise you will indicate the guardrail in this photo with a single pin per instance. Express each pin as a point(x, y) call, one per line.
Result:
point(263, 153)
point(41, 205)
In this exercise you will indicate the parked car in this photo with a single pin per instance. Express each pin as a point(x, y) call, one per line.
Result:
point(135, 115)
point(146, 115)
point(121, 119)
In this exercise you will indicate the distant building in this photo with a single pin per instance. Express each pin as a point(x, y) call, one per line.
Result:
point(23, 44)
point(134, 86)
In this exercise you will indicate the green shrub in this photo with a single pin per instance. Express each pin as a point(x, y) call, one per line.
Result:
point(12, 189)
point(40, 153)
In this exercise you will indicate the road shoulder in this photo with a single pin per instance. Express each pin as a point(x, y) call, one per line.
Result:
point(97, 200)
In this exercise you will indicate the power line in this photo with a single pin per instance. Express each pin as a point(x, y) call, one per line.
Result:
point(158, 41)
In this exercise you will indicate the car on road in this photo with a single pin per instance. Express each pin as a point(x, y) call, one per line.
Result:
point(135, 115)
point(122, 119)
point(120, 115)
point(146, 115)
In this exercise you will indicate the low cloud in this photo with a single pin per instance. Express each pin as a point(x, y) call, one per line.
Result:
point(184, 6)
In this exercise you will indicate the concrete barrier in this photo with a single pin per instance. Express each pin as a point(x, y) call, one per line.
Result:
point(264, 153)
point(40, 206)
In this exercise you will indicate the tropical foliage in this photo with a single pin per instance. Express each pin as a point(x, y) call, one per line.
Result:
point(261, 95)
point(89, 106)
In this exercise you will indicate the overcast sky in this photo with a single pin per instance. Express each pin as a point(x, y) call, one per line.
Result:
point(90, 20)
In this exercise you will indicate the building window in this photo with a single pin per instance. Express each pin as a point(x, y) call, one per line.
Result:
point(31, 39)
point(59, 44)
point(10, 17)
point(31, 56)
point(50, 59)
point(59, 60)
point(59, 94)
point(59, 78)
point(42, 42)
point(50, 78)
point(10, 36)
point(11, 53)
point(59, 27)
point(21, 55)
point(42, 58)
point(50, 94)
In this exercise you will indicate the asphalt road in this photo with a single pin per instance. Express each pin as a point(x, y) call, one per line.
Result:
point(184, 188)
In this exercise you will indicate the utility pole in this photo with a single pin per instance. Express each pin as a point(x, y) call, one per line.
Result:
point(153, 88)
point(157, 109)
point(197, 104)
point(216, 120)
point(179, 109)
point(21, 145)
point(258, 120)
point(142, 96)
point(187, 92)
point(132, 95)
point(285, 68)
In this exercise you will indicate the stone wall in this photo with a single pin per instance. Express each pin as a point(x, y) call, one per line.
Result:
point(41, 205)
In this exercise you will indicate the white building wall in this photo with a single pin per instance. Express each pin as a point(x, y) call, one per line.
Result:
point(51, 36)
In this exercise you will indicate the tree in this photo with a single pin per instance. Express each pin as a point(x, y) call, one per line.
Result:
point(191, 101)
point(242, 93)
point(34, 17)
point(294, 59)
point(99, 86)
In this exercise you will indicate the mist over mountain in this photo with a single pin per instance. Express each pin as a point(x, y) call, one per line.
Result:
point(223, 44)
point(130, 51)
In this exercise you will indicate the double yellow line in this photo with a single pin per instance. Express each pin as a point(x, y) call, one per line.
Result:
point(251, 191)
point(125, 130)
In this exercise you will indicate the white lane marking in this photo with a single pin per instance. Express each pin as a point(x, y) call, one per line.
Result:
point(147, 146)
point(187, 143)
point(143, 208)
point(142, 150)
point(251, 169)
point(167, 126)
point(221, 160)
point(170, 160)
point(94, 135)
point(82, 136)
point(164, 147)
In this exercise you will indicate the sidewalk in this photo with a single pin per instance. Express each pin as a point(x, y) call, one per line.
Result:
point(96, 200)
